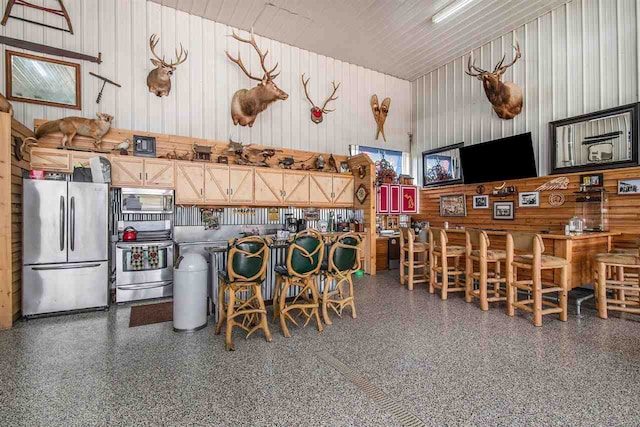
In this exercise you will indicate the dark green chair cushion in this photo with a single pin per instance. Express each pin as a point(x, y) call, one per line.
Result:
point(345, 259)
point(245, 265)
point(300, 262)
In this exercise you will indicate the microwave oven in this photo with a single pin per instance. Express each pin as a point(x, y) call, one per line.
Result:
point(146, 201)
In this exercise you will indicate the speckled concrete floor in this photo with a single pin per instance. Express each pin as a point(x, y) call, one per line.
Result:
point(447, 362)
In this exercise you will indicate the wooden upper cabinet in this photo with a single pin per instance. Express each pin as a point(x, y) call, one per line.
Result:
point(127, 171)
point(159, 173)
point(240, 185)
point(50, 159)
point(216, 183)
point(268, 187)
point(343, 190)
point(189, 182)
point(320, 189)
point(83, 158)
point(296, 188)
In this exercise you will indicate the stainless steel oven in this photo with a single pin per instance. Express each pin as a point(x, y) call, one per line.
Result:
point(144, 270)
point(146, 201)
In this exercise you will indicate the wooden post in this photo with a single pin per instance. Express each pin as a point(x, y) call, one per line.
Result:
point(6, 288)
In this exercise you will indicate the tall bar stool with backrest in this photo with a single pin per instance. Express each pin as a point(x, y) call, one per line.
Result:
point(618, 271)
point(414, 256)
point(304, 258)
point(246, 270)
point(343, 260)
point(632, 248)
point(489, 269)
point(530, 256)
point(444, 259)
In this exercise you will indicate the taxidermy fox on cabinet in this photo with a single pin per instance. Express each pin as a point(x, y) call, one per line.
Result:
point(72, 126)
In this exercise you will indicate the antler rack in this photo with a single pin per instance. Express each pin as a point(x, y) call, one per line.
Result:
point(153, 42)
point(268, 74)
point(331, 97)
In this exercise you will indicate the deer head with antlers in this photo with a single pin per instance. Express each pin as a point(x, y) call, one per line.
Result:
point(248, 103)
point(316, 112)
point(159, 79)
point(506, 98)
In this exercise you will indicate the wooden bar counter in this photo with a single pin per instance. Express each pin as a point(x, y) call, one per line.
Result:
point(579, 250)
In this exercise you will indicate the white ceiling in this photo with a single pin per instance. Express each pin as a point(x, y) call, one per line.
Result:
point(395, 37)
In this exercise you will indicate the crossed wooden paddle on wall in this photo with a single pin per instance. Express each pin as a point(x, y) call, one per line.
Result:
point(380, 112)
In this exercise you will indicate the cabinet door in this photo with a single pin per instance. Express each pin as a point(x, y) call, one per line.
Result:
point(296, 188)
point(409, 202)
point(216, 183)
point(382, 199)
point(159, 173)
point(240, 185)
point(189, 182)
point(50, 159)
point(83, 158)
point(394, 199)
point(320, 189)
point(269, 186)
point(343, 191)
point(126, 171)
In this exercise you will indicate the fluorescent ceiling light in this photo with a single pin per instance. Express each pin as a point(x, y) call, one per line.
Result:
point(449, 10)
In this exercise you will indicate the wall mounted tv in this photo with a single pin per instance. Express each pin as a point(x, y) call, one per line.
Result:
point(499, 160)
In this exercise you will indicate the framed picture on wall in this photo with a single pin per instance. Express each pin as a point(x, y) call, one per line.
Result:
point(628, 186)
point(503, 210)
point(529, 199)
point(592, 180)
point(453, 205)
point(480, 202)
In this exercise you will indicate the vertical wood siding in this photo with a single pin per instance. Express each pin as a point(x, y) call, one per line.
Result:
point(579, 58)
point(199, 103)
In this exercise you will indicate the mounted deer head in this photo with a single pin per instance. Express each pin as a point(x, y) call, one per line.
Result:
point(248, 103)
point(317, 113)
point(506, 98)
point(159, 79)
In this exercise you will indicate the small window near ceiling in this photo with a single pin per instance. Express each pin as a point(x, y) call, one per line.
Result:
point(392, 156)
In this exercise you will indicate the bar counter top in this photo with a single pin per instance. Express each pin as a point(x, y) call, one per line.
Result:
point(550, 236)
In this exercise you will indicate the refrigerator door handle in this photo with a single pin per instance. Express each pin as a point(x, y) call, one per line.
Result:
point(62, 223)
point(65, 267)
point(72, 223)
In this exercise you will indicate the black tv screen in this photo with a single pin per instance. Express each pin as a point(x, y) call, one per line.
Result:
point(499, 160)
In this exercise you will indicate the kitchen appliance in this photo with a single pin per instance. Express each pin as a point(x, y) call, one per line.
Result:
point(146, 201)
point(65, 246)
point(291, 223)
point(144, 268)
point(144, 146)
point(129, 234)
point(301, 225)
point(576, 225)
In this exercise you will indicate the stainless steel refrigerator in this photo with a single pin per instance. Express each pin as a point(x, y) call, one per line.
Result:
point(65, 246)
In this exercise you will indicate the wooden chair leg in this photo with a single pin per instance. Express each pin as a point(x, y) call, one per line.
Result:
point(537, 296)
point(402, 260)
point(353, 296)
point(230, 320)
point(221, 309)
point(564, 294)
point(512, 291)
point(484, 304)
point(276, 298)
point(316, 309)
point(264, 325)
point(601, 290)
point(433, 274)
point(620, 292)
point(468, 280)
point(325, 297)
point(411, 270)
point(282, 312)
point(445, 278)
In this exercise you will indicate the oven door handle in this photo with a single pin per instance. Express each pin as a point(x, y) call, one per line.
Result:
point(143, 244)
point(142, 287)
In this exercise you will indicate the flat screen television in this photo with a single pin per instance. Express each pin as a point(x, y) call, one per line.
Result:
point(499, 160)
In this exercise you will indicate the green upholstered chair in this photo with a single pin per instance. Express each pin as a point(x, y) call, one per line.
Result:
point(304, 257)
point(242, 282)
point(343, 261)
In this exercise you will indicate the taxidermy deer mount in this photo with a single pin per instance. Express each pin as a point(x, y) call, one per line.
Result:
point(159, 79)
point(317, 113)
point(248, 103)
point(380, 112)
point(506, 98)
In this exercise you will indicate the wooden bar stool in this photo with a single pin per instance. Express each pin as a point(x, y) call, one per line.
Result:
point(489, 269)
point(440, 253)
point(535, 262)
point(620, 281)
point(304, 257)
point(627, 274)
point(413, 256)
point(343, 261)
point(242, 282)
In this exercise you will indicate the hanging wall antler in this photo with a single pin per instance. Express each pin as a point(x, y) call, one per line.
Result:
point(316, 112)
point(506, 98)
point(248, 103)
point(159, 79)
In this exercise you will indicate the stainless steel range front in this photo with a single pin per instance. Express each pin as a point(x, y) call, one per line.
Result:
point(144, 267)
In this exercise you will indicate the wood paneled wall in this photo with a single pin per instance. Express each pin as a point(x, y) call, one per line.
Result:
point(579, 58)
point(368, 207)
point(200, 99)
point(624, 210)
point(10, 220)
